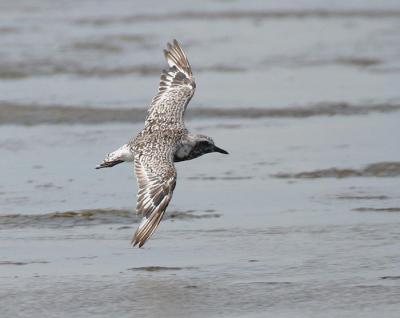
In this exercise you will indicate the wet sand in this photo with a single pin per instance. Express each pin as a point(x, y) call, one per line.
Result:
point(18, 114)
point(320, 246)
point(301, 219)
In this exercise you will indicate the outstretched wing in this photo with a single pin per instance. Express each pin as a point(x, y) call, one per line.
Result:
point(156, 176)
point(176, 88)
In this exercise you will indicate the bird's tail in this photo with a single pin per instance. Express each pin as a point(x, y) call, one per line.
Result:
point(120, 155)
point(108, 164)
point(147, 227)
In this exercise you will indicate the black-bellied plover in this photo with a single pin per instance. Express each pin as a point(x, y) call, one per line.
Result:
point(163, 141)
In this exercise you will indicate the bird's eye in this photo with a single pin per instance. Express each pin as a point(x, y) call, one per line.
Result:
point(204, 143)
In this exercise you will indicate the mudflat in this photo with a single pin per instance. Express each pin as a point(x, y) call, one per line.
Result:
point(301, 219)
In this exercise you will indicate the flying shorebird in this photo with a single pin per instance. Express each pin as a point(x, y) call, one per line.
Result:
point(163, 141)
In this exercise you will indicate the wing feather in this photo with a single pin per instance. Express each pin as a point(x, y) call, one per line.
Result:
point(156, 177)
point(176, 88)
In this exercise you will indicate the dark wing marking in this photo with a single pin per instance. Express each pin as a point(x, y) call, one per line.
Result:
point(156, 181)
point(176, 88)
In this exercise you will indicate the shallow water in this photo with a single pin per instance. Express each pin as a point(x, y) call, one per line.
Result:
point(253, 243)
point(276, 53)
point(301, 219)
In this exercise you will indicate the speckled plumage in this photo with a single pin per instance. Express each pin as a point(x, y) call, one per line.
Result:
point(163, 141)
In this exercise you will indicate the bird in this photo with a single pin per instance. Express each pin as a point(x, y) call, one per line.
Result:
point(163, 141)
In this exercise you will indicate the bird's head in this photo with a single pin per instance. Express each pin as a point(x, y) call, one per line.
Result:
point(207, 145)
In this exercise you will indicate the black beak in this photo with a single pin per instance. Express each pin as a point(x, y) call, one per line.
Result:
point(216, 149)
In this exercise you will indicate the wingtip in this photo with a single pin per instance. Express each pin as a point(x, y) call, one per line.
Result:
point(137, 243)
point(176, 56)
point(176, 42)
